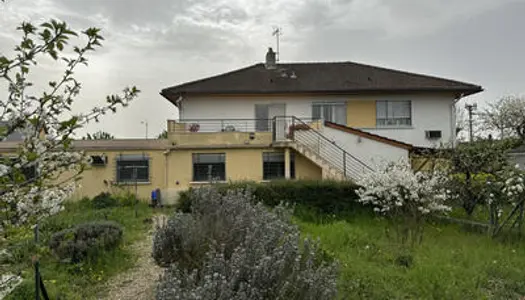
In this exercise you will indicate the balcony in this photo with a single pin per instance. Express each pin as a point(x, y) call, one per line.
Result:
point(232, 132)
point(224, 132)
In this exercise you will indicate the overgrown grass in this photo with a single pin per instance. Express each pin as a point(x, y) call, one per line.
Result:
point(449, 264)
point(76, 281)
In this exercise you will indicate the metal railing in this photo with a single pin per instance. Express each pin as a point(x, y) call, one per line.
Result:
point(222, 125)
point(305, 134)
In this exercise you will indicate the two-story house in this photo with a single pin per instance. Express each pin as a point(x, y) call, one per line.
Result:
point(334, 120)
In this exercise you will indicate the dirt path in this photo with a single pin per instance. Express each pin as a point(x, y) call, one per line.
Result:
point(139, 282)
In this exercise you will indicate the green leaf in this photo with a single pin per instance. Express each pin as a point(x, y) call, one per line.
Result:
point(46, 25)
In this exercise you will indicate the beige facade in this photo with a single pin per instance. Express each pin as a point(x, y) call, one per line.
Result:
point(171, 170)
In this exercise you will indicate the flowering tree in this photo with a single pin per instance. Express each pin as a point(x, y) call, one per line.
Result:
point(507, 116)
point(45, 121)
point(404, 196)
point(508, 190)
point(471, 166)
point(37, 177)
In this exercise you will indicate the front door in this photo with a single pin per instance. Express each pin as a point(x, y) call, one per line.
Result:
point(265, 113)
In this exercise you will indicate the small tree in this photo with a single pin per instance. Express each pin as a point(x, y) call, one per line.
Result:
point(99, 135)
point(404, 197)
point(506, 116)
point(471, 166)
point(163, 135)
point(45, 120)
point(507, 190)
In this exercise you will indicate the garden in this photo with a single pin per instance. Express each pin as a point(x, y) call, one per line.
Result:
point(78, 249)
point(449, 231)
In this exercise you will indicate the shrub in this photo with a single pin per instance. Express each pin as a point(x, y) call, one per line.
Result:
point(230, 248)
point(323, 196)
point(126, 199)
point(104, 200)
point(77, 243)
point(404, 197)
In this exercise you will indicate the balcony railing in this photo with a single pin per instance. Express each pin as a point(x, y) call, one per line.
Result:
point(227, 125)
point(221, 125)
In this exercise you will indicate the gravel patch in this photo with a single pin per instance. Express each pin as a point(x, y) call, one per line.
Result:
point(139, 282)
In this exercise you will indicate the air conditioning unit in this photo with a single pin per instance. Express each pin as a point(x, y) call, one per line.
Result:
point(433, 134)
point(99, 160)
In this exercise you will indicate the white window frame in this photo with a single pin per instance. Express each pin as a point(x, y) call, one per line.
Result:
point(389, 119)
point(334, 106)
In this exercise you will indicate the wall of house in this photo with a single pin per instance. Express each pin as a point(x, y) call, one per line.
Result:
point(368, 151)
point(220, 138)
point(305, 169)
point(173, 172)
point(97, 179)
point(429, 112)
point(241, 165)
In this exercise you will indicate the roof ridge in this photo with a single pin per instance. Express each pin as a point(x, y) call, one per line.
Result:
point(209, 78)
point(381, 68)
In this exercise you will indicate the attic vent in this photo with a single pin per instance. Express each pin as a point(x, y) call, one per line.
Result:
point(433, 134)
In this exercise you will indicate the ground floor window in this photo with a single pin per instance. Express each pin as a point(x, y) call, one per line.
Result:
point(132, 168)
point(273, 165)
point(209, 167)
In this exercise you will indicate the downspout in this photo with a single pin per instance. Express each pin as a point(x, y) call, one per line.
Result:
point(166, 153)
point(453, 119)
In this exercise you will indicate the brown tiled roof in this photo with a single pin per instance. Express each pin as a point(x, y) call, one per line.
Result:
point(369, 135)
point(100, 145)
point(318, 78)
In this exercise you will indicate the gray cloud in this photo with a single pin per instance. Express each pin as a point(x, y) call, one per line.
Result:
point(155, 44)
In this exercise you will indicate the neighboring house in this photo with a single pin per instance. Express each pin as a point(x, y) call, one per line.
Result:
point(14, 136)
point(281, 121)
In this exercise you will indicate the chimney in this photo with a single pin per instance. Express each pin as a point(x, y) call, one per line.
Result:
point(270, 59)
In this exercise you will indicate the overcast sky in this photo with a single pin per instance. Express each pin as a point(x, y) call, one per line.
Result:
point(158, 43)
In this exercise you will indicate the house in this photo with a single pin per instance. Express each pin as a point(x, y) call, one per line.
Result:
point(335, 120)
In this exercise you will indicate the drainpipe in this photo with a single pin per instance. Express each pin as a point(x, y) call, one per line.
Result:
point(453, 119)
point(166, 153)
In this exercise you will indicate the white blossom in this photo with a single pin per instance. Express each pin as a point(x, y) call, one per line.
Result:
point(397, 187)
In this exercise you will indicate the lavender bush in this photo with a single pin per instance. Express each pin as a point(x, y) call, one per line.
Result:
point(230, 248)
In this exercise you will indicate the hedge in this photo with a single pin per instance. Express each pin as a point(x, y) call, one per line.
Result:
point(323, 196)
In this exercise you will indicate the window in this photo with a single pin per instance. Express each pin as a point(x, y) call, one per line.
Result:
point(209, 167)
point(393, 113)
point(273, 165)
point(132, 168)
point(331, 112)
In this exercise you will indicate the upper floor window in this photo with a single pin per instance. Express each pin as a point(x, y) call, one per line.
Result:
point(209, 167)
point(132, 168)
point(393, 113)
point(331, 112)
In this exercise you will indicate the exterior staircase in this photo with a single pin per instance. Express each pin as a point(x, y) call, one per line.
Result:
point(335, 162)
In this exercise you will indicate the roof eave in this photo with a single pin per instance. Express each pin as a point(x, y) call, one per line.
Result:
point(169, 95)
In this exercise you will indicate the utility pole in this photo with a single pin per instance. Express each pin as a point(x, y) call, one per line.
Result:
point(471, 108)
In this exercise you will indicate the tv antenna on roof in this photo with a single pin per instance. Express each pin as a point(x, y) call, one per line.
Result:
point(277, 32)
